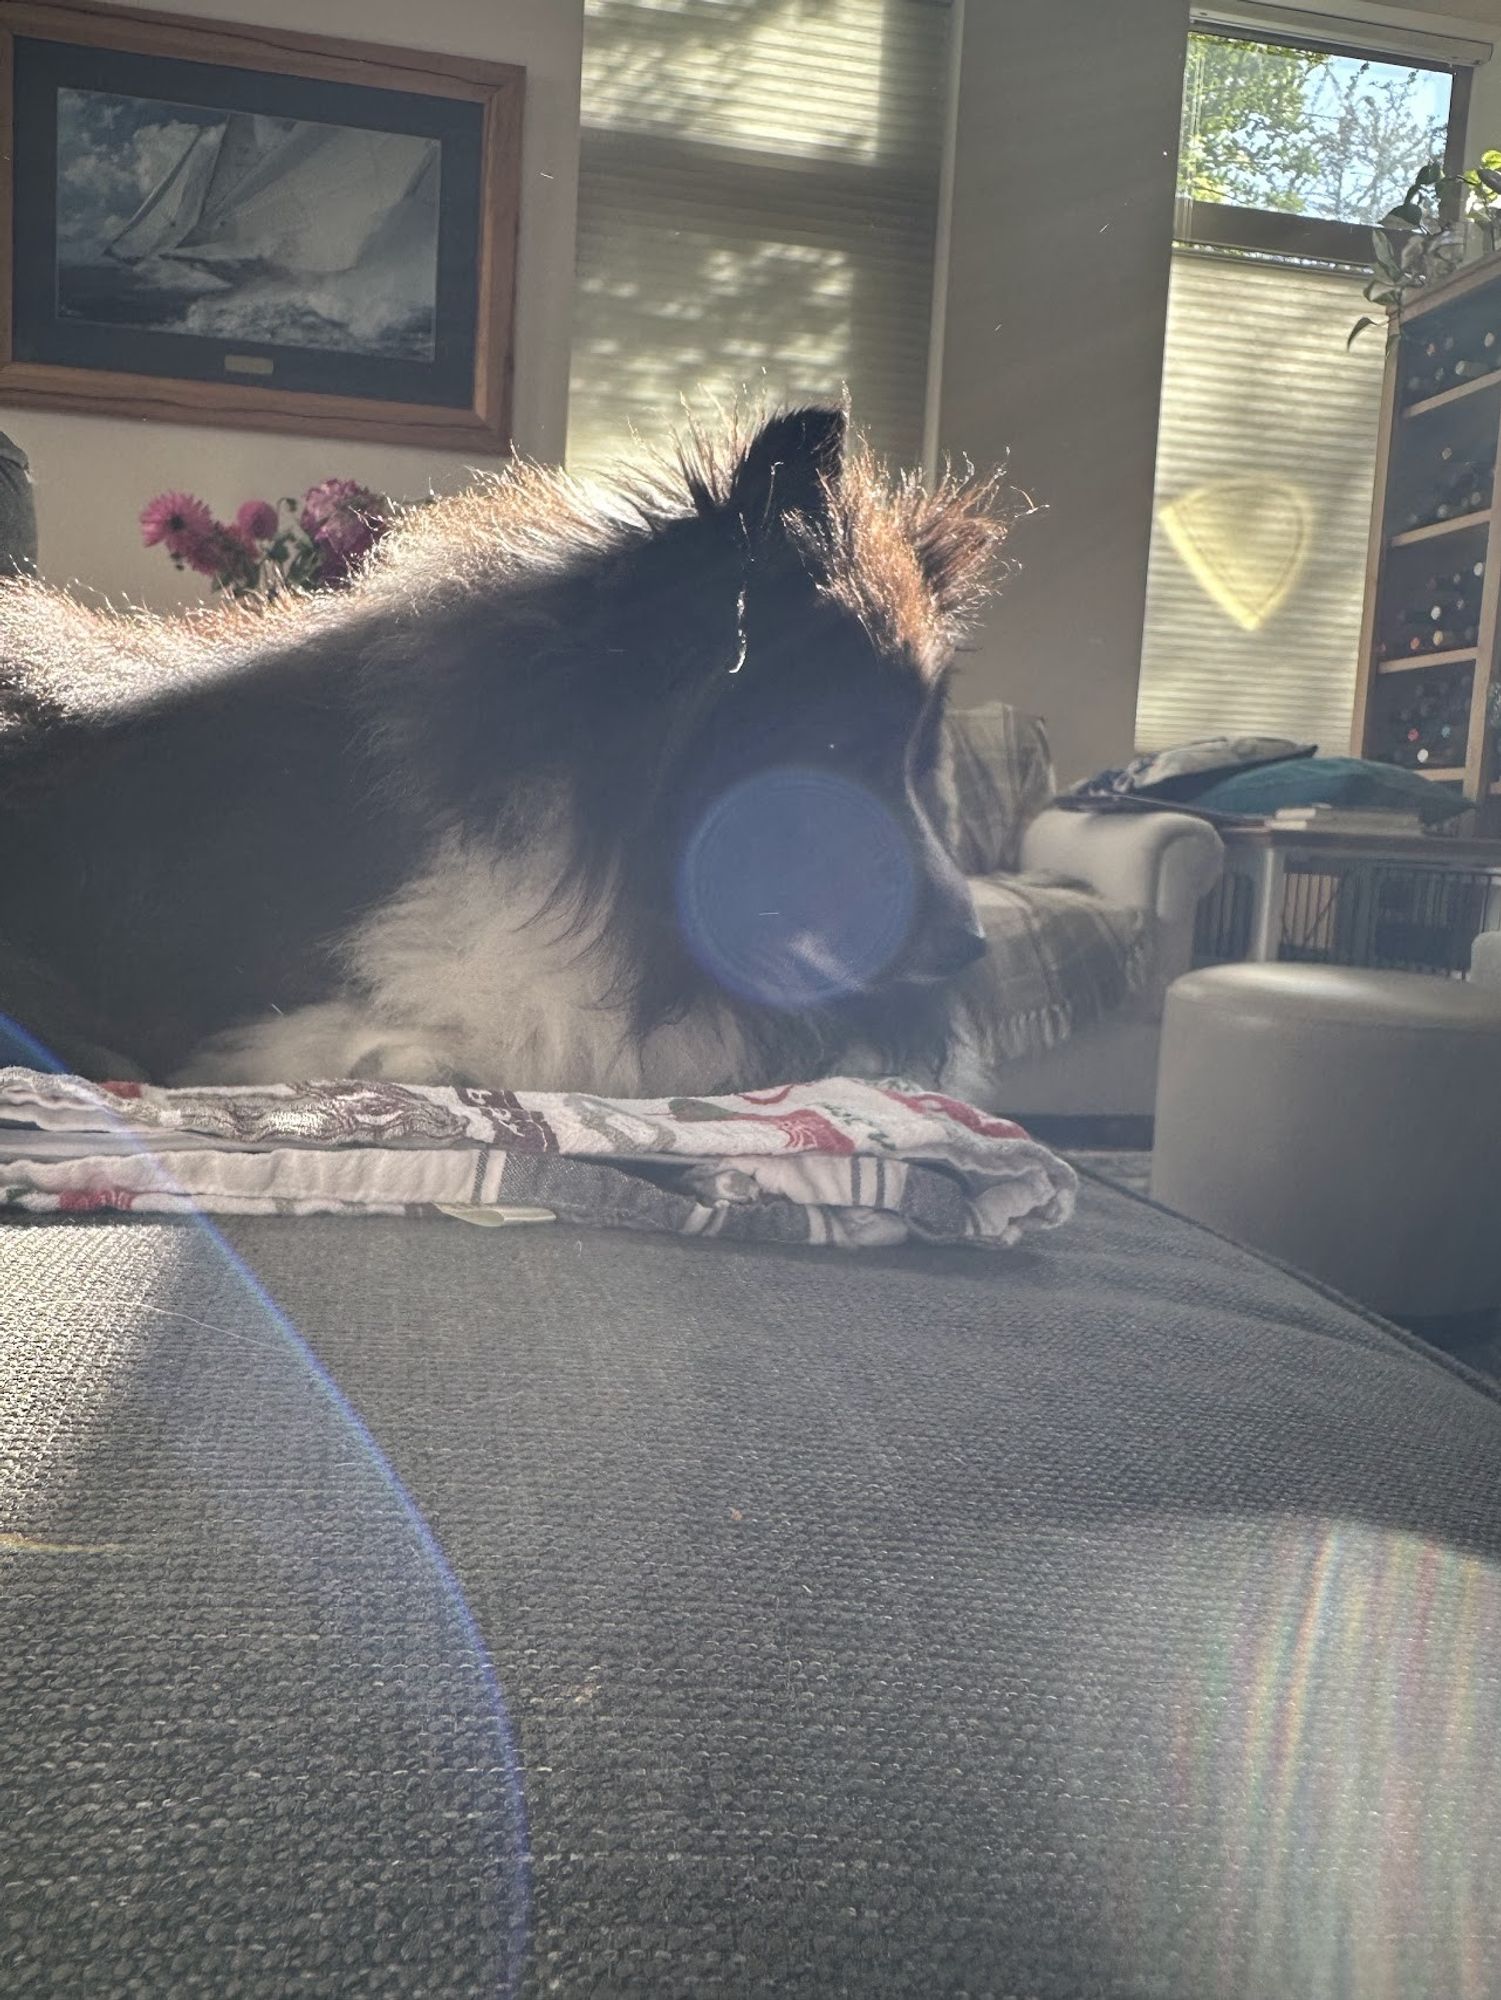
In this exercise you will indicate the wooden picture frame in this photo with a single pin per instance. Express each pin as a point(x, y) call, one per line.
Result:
point(324, 239)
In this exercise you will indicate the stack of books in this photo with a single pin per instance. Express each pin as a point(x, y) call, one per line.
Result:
point(1347, 819)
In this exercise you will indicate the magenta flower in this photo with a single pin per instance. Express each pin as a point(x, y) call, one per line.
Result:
point(212, 552)
point(329, 497)
point(258, 554)
point(344, 519)
point(256, 521)
point(180, 520)
point(241, 548)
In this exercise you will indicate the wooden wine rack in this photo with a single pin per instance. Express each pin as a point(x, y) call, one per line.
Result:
point(1422, 420)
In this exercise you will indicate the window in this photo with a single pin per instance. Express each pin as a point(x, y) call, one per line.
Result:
point(758, 210)
point(1266, 448)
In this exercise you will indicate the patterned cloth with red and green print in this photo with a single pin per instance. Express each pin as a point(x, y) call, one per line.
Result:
point(840, 1162)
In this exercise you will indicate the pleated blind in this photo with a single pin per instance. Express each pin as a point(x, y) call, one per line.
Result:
point(1265, 458)
point(758, 204)
point(1268, 430)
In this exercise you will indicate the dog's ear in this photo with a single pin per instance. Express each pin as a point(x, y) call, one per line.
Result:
point(790, 466)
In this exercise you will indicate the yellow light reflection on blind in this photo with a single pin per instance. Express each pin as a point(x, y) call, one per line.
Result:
point(1265, 454)
point(1244, 540)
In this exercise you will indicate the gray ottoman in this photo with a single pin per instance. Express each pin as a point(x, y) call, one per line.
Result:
point(1485, 959)
point(1347, 1122)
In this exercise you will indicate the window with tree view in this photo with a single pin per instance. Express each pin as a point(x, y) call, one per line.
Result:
point(1267, 439)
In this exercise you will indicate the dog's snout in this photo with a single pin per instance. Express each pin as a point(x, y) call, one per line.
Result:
point(956, 947)
point(943, 952)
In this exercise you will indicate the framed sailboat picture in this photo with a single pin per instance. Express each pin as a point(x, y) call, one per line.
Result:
point(218, 225)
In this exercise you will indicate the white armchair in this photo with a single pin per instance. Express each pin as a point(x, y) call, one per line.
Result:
point(1165, 862)
point(1063, 1016)
point(1089, 916)
point(1162, 862)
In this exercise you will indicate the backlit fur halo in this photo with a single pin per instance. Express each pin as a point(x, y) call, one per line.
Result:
point(914, 562)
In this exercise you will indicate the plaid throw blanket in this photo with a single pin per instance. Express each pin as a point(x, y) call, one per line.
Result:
point(838, 1162)
point(1060, 957)
point(996, 775)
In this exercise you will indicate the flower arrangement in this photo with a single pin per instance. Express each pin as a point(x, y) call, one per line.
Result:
point(314, 543)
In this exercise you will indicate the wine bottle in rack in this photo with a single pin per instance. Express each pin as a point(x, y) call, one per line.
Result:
point(1450, 487)
point(1440, 613)
point(1443, 361)
point(1429, 723)
point(1415, 634)
point(1453, 616)
point(1468, 580)
point(1431, 617)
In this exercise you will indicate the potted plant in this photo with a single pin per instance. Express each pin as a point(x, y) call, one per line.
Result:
point(1427, 236)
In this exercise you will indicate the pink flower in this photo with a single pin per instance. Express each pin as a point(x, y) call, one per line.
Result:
point(211, 552)
point(237, 538)
point(348, 536)
point(344, 519)
point(256, 521)
point(225, 553)
point(329, 497)
point(179, 520)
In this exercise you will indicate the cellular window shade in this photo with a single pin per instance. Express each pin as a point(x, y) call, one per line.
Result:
point(1262, 509)
point(758, 206)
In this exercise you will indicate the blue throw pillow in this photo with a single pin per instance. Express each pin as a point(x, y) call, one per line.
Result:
point(1331, 781)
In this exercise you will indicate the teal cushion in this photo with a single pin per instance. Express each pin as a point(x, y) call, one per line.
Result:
point(1331, 781)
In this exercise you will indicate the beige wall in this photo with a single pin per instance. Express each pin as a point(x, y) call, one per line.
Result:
point(1053, 318)
point(93, 474)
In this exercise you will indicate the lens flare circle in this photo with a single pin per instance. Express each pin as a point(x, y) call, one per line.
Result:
point(796, 888)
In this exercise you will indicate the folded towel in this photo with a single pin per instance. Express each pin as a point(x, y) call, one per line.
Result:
point(838, 1162)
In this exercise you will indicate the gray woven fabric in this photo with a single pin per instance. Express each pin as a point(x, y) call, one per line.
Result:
point(1112, 1617)
point(1060, 959)
point(998, 775)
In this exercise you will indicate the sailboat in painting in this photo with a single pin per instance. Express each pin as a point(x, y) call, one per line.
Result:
point(286, 195)
point(255, 231)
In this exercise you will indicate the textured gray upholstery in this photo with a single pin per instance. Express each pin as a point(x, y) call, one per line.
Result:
point(1115, 1617)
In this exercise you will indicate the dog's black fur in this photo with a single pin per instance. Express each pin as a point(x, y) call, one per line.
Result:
point(196, 813)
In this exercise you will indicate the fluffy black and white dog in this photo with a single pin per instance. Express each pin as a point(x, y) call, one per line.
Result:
point(631, 793)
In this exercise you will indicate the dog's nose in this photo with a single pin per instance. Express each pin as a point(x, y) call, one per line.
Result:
point(957, 948)
point(945, 952)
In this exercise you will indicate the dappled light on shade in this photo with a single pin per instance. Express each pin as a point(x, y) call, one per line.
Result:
point(730, 319)
point(719, 72)
point(758, 202)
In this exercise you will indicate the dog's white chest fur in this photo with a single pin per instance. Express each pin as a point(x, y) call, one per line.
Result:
point(468, 976)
